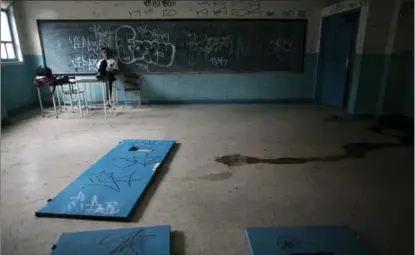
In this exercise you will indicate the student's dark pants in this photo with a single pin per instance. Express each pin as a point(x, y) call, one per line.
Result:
point(106, 76)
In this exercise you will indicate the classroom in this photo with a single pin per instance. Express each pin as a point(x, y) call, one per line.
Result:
point(243, 127)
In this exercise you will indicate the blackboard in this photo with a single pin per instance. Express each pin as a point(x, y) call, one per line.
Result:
point(168, 46)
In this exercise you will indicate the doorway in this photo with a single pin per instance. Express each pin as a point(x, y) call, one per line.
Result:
point(335, 65)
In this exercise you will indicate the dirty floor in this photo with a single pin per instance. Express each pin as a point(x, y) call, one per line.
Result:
point(305, 171)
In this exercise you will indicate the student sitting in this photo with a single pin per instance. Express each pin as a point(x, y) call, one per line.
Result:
point(107, 69)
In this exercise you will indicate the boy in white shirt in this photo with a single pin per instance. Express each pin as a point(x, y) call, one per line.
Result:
point(107, 69)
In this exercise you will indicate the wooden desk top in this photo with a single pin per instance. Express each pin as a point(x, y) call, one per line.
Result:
point(89, 81)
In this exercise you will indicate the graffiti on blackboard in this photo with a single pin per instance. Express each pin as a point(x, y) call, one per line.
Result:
point(135, 14)
point(169, 12)
point(246, 8)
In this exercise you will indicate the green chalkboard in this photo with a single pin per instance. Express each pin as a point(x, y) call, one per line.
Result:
point(168, 46)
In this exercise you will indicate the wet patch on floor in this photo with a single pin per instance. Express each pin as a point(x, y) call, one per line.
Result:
point(335, 118)
point(352, 150)
point(217, 177)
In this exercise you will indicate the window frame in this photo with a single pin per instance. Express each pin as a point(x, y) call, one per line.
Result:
point(13, 39)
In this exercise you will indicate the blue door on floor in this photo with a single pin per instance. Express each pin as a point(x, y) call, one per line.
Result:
point(337, 42)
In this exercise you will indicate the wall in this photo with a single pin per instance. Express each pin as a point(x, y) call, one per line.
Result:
point(382, 75)
point(363, 8)
point(256, 87)
point(399, 92)
point(17, 91)
point(380, 28)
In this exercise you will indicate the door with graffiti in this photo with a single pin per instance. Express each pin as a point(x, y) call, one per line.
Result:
point(337, 50)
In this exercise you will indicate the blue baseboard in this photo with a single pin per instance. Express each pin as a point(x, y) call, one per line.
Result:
point(227, 101)
point(361, 116)
point(17, 111)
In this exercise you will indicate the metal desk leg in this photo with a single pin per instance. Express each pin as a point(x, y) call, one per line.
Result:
point(54, 103)
point(86, 100)
point(103, 95)
point(79, 99)
point(125, 97)
point(59, 100)
point(70, 96)
point(40, 102)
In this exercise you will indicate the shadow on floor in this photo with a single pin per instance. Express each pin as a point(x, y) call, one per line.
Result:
point(395, 126)
point(143, 202)
point(177, 243)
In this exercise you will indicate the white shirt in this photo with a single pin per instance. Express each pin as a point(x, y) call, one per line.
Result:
point(112, 64)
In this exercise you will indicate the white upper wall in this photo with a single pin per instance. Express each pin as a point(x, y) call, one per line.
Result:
point(350, 5)
point(27, 12)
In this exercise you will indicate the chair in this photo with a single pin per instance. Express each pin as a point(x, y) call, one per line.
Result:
point(52, 91)
point(132, 85)
point(70, 92)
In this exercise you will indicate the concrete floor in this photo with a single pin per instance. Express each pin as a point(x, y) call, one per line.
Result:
point(207, 204)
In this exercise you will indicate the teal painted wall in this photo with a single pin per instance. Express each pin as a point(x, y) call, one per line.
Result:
point(17, 90)
point(221, 88)
point(368, 83)
point(368, 75)
point(354, 84)
point(399, 94)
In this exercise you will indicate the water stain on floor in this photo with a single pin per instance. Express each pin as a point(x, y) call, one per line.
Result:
point(217, 177)
point(352, 150)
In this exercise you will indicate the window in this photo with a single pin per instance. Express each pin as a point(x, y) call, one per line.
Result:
point(8, 46)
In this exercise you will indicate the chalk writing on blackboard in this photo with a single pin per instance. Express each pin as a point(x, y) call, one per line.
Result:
point(202, 13)
point(154, 46)
point(280, 48)
point(220, 12)
point(169, 12)
point(245, 8)
point(109, 179)
point(302, 13)
point(149, 10)
point(219, 61)
point(168, 3)
point(203, 3)
point(130, 243)
point(289, 13)
point(270, 13)
point(135, 14)
point(153, 50)
point(155, 3)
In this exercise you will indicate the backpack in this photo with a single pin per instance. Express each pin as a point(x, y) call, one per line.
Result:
point(42, 81)
point(44, 71)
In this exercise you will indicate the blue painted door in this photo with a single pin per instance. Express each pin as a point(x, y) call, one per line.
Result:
point(337, 41)
point(111, 188)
